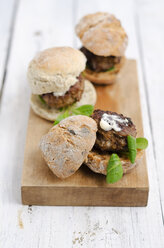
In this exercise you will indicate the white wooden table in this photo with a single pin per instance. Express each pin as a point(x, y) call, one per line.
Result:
point(27, 26)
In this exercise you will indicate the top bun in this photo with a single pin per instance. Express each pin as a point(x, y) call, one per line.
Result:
point(55, 69)
point(66, 145)
point(102, 34)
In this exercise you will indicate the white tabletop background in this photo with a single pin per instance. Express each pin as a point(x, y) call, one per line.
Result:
point(27, 26)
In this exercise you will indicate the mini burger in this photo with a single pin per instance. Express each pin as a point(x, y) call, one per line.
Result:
point(117, 150)
point(105, 142)
point(104, 42)
point(57, 83)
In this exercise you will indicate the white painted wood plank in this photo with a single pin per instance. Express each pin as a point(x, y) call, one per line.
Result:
point(151, 24)
point(38, 26)
point(146, 224)
point(6, 10)
point(62, 226)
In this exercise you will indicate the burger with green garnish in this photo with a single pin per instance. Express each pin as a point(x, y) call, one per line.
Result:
point(104, 42)
point(57, 84)
point(117, 150)
point(103, 140)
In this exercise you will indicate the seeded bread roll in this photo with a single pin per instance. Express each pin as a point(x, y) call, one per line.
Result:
point(102, 34)
point(98, 162)
point(67, 144)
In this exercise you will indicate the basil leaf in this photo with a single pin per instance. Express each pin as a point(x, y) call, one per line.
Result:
point(114, 169)
point(61, 117)
point(111, 69)
point(141, 143)
point(83, 110)
point(71, 110)
point(132, 148)
point(41, 99)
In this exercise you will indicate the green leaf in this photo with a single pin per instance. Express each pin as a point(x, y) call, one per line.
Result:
point(61, 117)
point(41, 99)
point(132, 148)
point(71, 110)
point(114, 169)
point(83, 110)
point(111, 69)
point(141, 143)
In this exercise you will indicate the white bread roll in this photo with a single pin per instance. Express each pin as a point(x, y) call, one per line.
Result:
point(55, 70)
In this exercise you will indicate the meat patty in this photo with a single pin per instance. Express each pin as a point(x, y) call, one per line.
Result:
point(113, 140)
point(100, 63)
point(72, 95)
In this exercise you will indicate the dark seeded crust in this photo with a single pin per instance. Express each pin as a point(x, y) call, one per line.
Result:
point(98, 161)
point(71, 96)
point(67, 144)
point(112, 140)
point(100, 63)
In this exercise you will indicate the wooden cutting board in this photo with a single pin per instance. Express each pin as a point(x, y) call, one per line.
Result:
point(86, 188)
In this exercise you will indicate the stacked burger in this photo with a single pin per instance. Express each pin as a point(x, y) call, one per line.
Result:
point(104, 42)
point(57, 83)
point(102, 142)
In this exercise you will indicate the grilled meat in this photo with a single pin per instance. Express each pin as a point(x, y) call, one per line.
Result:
point(72, 95)
point(100, 63)
point(114, 139)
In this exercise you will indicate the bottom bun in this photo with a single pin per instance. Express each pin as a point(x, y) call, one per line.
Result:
point(41, 109)
point(108, 77)
point(98, 162)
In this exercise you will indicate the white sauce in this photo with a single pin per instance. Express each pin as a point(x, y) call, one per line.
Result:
point(109, 122)
point(59, 93)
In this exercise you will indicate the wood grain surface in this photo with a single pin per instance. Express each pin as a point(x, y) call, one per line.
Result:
point(86, 188)
point(27, 27)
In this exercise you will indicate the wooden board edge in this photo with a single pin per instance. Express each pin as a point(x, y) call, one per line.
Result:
point(53, 196)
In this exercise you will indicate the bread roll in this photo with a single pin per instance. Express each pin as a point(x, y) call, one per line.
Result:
point(67, 144)
point(102, 34)
point(98, 162)
point(55, 70)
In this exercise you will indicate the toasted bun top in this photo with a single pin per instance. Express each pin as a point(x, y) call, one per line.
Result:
point(102, 34)
point(67, 144)
point(55, 70)
point(62, 60)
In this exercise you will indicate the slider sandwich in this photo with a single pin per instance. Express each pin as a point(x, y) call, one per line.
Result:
point(57, 83)
point(117, 150)
point(106, 143)
point(104, 42)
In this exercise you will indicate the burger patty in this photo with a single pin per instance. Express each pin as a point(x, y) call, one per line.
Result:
point(72, 95)
point(113, 140)
point(100, 63)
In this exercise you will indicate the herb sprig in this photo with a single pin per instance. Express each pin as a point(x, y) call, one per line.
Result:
point(132, 148)
point(114, 168)
point(134, 144)
point(82, 110)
